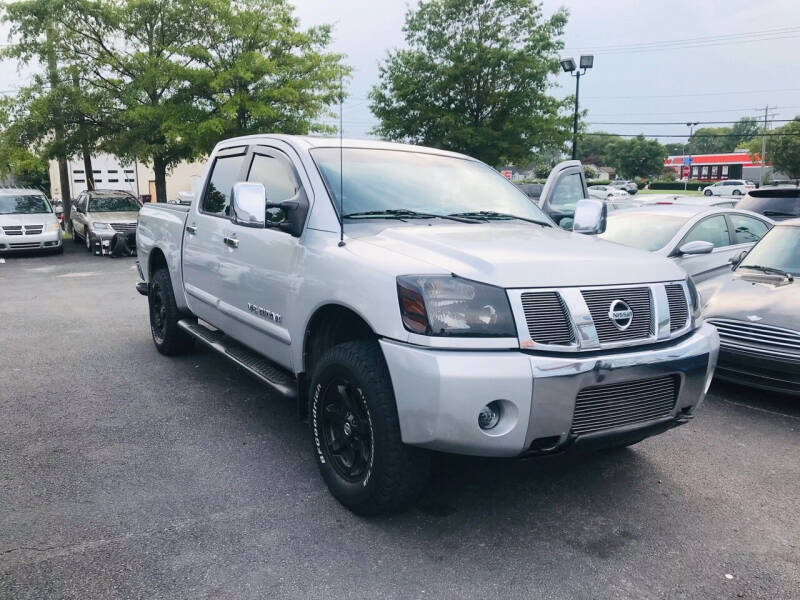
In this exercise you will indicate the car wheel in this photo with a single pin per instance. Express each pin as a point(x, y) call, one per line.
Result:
point(87, 237)
point(708, 193)
point(737, 193)
point(74, 233)
point(168, 337)
point(356, 433)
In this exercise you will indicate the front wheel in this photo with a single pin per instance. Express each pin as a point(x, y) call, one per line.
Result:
point(356, 433)
point(737, 193)
point(74, 233)
point(708, 193)
point(168, 337)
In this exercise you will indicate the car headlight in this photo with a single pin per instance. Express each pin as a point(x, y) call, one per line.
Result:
point(52, 227)
point(450, 306)
point(696, 307)
point(100, 226)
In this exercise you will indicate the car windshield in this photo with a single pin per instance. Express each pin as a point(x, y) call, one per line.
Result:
point(119, 203)
point(397, 180)
point(648, 231)
point(23, 204)
point(778, 249)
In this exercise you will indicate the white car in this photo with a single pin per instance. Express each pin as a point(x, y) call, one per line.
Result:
point(708, 201)
point(27, 222)
point(602, 192)
point(730, 187)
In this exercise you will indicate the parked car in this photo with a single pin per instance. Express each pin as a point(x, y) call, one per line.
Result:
point(28, 222)
point(777, 203)
point(628, 186)
point(700, 240)
point(756, 314)
point(708, 201)
point(607, 191)
point(105, 220)
point(729, 187)
point(431, 306)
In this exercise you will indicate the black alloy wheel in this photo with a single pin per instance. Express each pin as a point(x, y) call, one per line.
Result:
point(158, 311)
point(168, 336)
point(346, 429)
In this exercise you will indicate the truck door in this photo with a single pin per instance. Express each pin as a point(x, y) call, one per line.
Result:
point(265, 263)
point(564, 188)
point(207, 243)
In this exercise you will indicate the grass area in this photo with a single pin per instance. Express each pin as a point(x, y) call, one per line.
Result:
point(689, 192)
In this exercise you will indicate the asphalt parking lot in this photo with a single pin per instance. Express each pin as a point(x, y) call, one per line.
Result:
point(125, 474)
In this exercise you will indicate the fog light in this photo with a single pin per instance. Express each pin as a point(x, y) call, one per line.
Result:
point(489, 416)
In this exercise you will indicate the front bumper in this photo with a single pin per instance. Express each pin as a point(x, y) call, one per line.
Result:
point(48, 240)
point(750, 367)
point(439, 393)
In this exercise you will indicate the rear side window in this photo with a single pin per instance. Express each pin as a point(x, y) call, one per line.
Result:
point(747, 230)
point(224, 173)
point(713, 229)
point(568, 192)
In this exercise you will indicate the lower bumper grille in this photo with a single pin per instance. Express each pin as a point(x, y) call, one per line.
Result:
point(613, 405)
point(24, 246)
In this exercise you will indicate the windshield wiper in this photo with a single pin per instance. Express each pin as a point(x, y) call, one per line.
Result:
point(490, 214)
point(777, 213)
point(773, 270)
point(402, 213)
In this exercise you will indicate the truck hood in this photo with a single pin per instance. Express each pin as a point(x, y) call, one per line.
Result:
point(114, 217)
point(768, 300)
point(519, 255)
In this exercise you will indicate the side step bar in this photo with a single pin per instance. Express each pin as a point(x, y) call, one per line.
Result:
point(267, 371)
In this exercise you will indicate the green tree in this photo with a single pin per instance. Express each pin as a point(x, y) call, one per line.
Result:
point(637, 157)
point(675, 148)
point(783, 150)
point(593, 149)
point(474, 79)
point(18, 165)
point(711, 140)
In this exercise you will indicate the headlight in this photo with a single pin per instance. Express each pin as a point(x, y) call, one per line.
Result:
point(451, 306)
point(100, 226)
point(52, 227)
point(694, 297)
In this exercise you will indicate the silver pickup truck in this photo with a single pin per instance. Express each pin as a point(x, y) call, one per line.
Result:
point(410, 299)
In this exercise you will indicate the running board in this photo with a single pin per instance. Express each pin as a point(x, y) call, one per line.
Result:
point(252, 362)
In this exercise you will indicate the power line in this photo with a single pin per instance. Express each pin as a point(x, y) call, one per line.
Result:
point(695, 135)
point(682, 122)
point(695, 95)
point(693, 112)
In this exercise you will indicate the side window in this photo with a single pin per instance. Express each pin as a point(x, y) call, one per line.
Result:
point(276, 174)
point(224, 173)
point(82, 202)
point(713, 229)
point(747, 230)
point(567, 192)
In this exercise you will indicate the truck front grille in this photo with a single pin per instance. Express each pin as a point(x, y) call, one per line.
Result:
point(599, 302)
point(33, 229)
point(13, 230)
point(678, 309)
point(547, 318)
point(613, 405)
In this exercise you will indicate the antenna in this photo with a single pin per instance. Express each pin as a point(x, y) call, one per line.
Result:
point(341, 162)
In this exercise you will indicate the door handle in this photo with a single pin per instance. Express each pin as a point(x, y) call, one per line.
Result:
point(192, 229)
point(231, 241)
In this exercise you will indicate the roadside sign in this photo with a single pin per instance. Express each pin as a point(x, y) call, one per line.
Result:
point(687, 160)
point(506, 174)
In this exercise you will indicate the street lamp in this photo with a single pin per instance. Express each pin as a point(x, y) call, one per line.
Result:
point(691, 127)
point(568, 64)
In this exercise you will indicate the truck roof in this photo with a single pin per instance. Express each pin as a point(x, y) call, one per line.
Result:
point(307, 142)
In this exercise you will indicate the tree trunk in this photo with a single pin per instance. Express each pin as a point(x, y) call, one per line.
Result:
point(87, 166)
point(160, 170)
point(63, 177)
point(58, 126)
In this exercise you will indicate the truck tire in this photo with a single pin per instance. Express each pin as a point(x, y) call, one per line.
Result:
point(356, 433)
point(169, 339)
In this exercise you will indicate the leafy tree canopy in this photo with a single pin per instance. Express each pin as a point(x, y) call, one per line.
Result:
point(783, 151)
point(474, 79)
point(637, 157)
point(593, 149)
point(711, 140)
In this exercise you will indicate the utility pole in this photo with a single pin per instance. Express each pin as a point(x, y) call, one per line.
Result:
point(575, 118)
point(763, 147)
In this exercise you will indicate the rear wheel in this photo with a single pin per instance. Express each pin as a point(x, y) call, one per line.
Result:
point(168, 337)
point(356, 433)
point(737, 193)
point(708, 192)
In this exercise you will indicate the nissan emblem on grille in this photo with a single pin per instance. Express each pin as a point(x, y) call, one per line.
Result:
point(620, 314)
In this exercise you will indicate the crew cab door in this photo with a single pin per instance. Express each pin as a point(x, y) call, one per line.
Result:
point(564, 188)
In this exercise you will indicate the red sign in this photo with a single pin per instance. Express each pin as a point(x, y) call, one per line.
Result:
point(506, 174)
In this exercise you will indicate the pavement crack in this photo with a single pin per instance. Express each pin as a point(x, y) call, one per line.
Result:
point(764, 410)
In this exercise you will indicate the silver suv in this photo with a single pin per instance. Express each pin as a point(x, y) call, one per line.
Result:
point(27, 222)
point(102, 218)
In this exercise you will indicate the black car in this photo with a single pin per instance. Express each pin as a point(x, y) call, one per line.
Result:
point(777, 203)
point(757, 314)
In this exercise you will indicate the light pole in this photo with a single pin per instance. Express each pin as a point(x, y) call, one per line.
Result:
point(691, 127)
point(568, 64)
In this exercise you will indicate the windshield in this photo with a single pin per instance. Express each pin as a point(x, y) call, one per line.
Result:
point(23, 204)
point(778, 249)
point(647, 231)
point(113, 204)
point(379, 180)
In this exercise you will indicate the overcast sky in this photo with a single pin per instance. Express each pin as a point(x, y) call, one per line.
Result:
point(723, 79)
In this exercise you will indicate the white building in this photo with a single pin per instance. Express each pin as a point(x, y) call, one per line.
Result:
point(137, 178)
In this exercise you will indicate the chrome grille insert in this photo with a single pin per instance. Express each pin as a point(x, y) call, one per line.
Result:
point(758, 338)
point(547, 319)
point(13, 230)
point(637, 298)
point(613, 405)
point(678, 308)
point(123, 226)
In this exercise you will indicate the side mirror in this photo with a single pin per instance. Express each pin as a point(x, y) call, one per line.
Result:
point(249, 204)
point(735, 260)
point(696, 247)
point(590, 216)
